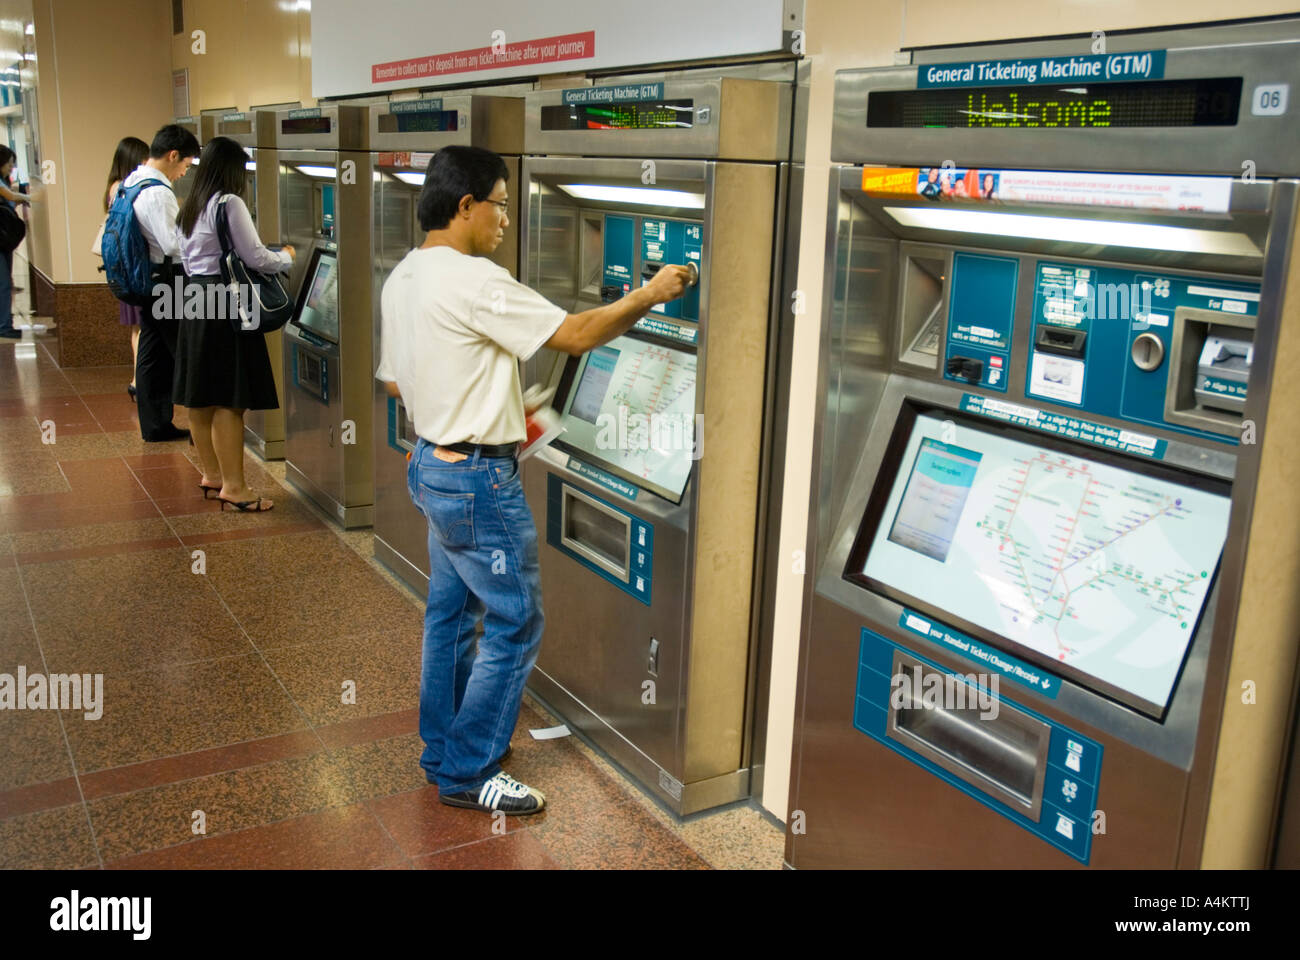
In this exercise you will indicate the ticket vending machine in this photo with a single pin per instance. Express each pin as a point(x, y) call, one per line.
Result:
point(647, 504)
point(326, 187)
point(406, 134)
point(1038, 450)
point(254, 130)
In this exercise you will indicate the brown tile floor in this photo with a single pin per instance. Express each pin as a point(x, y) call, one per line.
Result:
point(224, 740)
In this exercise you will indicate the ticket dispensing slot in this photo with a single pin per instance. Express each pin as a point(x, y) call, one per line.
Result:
point(1060, 341)
point(922, 310)
point(1005, 755)
point(310, 373)
point(1209, 369)
point(595, 532)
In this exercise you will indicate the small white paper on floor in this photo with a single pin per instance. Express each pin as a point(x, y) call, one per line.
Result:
point(550, 733)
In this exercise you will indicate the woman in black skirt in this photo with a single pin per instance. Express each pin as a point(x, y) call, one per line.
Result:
point(221, 373)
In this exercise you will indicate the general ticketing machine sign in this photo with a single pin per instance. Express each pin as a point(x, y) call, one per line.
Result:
point(1030, 489)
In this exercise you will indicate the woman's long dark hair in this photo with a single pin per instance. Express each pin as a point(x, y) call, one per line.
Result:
point(130, 153)
point(221, 170)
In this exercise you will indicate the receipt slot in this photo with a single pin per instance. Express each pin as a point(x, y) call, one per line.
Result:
point(404, 135)
point(1034, 476)
point(650, 498)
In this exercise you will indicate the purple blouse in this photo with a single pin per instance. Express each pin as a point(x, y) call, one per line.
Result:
point(201, 250)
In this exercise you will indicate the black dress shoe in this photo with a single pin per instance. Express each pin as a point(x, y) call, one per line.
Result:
point(169, 433)
point(11, 334)
point(130, 391)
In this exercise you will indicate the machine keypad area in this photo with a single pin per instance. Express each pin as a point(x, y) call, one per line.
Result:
point(1072, 765)
point(628, 262)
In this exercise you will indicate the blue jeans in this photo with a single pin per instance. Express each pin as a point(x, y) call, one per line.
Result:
point(483, 562)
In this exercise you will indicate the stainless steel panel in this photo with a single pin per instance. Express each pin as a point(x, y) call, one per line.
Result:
point(336, 455)
point(864, 805)
point(598, 637)
point(349, 129)
point(1156, 772)
point(313, 445)
point(714, 133)
point(492, 122)
point(1274, 141)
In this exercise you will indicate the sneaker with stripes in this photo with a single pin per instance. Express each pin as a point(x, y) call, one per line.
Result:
point(502, 793)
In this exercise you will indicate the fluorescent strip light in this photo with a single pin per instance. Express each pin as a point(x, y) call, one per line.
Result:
point(413, 178)
point(645, 196)
point(316, 170)
point(250, 166)
point(1111, 233)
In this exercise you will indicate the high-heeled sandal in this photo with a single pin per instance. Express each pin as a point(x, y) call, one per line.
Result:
point(206, 490)
point(248, 506)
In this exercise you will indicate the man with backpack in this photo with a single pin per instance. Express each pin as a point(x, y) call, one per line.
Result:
point(156, 210)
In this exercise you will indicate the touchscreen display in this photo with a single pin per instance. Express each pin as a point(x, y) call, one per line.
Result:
point(1099, 568)
point(632, 411)
point(320, 309)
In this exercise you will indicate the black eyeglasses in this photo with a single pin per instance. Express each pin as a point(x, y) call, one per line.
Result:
point(504, 205)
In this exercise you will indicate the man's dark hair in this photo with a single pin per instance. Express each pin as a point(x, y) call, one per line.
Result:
point(173, 137)
point(454, 172)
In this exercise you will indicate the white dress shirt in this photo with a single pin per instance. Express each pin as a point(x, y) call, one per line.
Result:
point(201, 250)
point(155, 211)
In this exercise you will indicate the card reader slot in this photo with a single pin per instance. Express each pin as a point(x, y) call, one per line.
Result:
point(1003, 755)
point(596, 532)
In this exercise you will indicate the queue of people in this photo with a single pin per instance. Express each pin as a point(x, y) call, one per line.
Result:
point(203, 363)
point(9, 198)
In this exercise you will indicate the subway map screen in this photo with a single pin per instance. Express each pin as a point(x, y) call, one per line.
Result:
point(1098, 569)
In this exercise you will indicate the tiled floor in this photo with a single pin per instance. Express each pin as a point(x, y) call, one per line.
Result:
point(225, 642)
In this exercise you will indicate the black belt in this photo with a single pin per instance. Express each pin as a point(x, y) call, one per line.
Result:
point(483, 449)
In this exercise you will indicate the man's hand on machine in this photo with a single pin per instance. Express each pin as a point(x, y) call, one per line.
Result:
point(670, 282)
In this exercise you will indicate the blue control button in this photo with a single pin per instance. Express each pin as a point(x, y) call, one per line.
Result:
point(1068, 791)
point(1074, 755)
point(1064, 830)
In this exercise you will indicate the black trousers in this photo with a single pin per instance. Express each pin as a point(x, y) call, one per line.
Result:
point(155, 366)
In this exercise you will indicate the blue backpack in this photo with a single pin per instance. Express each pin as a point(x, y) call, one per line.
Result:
point(126, 252)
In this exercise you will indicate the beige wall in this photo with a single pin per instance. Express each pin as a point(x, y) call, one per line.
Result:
point(864, 33)
point(91, 94)
point(257, 52)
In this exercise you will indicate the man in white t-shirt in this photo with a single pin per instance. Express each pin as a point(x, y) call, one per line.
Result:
point(455, 326)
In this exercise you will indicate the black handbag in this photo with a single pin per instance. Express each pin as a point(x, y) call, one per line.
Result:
point(12, 228)
point(264, 305)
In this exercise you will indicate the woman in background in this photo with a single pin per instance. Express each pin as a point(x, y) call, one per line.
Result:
point(7, 330)
point(221, 373)
point(130, 153)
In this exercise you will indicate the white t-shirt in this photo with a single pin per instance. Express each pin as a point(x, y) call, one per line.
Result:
point(453, 330)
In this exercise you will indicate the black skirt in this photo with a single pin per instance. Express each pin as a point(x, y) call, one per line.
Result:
point(215, 366)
